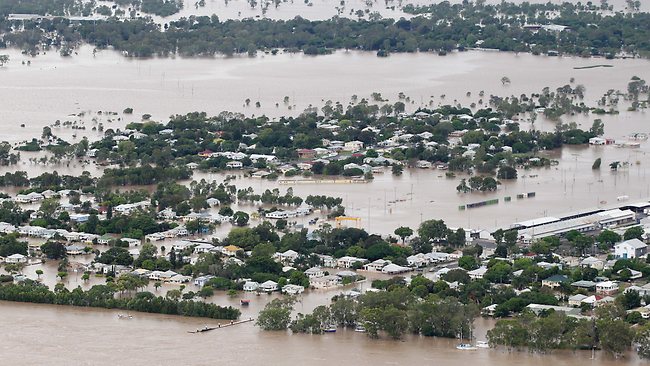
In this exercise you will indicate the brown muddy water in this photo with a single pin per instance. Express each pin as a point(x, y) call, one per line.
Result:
point(53, 335)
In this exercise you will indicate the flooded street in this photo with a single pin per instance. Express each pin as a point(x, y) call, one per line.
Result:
point(98, 337)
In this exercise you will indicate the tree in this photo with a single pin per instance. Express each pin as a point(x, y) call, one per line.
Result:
point(9, 245)
point(507, 172)
point(240, 218)
point(467, 262)
point(397, 169)
point(344, 312)
point(635, 232)
point(505, 80)
point(462, 187)
point(403, 232)
point(615, 336)
point(435, 230)
point(116, 255)
point(39, 272)
point(608, 237)
point(498, 236)
point(264, 250)
point(510, 238)
point(3, 60)
point(53, 250)
point(596, 164)
point(614, 165)
point(457, 239)
point(630, 299)
point(642, 339)
point(276, 315)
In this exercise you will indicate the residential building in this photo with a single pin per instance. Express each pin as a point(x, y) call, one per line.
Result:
point(592, 262)
point(576, 300)
point(234, 164)
point(314, 272)
point(478, 273)
point(268, 286)
point(348, 262)
point(376, 266)
point(554, 281)
point(325, 281)
point(230, 250)
point(251, 286)
point(633, 248)
point(293, 289)
point(393, 269)
point(327, 261)
point(16, 258)
point(607, 287)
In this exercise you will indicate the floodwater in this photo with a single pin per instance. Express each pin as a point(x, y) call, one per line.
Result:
point(53, 88)
point(326, 9)
point(97, 337)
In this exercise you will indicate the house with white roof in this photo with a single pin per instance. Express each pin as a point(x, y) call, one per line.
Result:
point(576, 300)
point(325, 281)
point(292, 289)
point(314, 272)
point(16, 258)
point(607, 287)
point(287, 257)
point(376, 265)
point(592, 262)
point(348, 262)
point(179, 279)
point(234, 164)
point(633, 248)
point(393, 268)
point(353, 146)
point(327, 260)
point(203, 248)
point(417, 260)
point(251, 286)
point(268, 286)
point(478, 273)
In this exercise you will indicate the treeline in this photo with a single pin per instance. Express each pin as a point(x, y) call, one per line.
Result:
point(143, 175)
point(103, 296)
point(53, 181)
point(394, 313)
point(554, 330)
point(446, 27)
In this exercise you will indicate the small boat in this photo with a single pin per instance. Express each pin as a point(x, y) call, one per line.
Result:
point(482, 344)
point(360, 329)
point(466, 347)
point(330, 329)
point(244, 302)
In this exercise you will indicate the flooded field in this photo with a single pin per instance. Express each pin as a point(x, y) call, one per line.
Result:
point(325, 9)
point(98, 337)
point(53, 88)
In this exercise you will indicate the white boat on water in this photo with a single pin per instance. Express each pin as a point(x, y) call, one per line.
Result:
point(466, 347)
point(360, 329)
point(482, 344)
